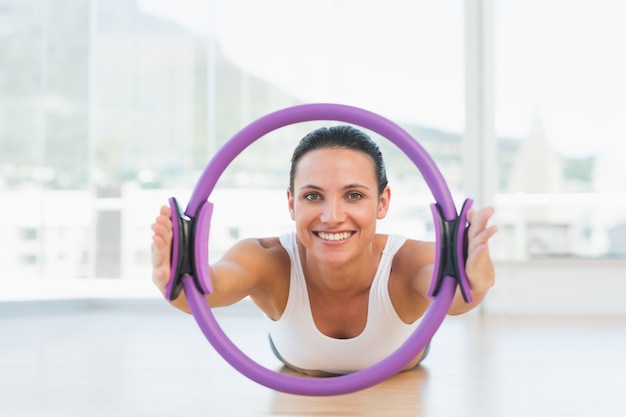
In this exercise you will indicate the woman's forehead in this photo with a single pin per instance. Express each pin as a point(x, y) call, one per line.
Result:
point(329, 162)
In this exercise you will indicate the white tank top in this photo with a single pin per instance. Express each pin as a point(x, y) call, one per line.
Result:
point(301, 344)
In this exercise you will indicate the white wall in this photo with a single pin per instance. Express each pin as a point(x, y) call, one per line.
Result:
point(591, 287)
point(553, 286)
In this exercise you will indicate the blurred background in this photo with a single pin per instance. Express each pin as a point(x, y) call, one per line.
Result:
point(107, 108)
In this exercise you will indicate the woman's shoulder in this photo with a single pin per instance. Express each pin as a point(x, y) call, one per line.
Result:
point(415, 253)
point(419, 245)
point(258, 244)
point(265, 250)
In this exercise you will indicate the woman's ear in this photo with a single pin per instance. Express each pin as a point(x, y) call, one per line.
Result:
point(290, 202)
point(383, 203)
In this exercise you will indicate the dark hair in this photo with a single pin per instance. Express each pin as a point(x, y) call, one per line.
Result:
point(346, 137)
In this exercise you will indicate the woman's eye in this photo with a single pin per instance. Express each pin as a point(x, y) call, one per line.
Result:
point(312, 196)
point(354, 196)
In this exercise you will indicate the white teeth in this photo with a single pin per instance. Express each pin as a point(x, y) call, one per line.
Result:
point(334, 236)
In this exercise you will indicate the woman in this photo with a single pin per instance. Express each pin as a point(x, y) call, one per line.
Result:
point(340, 297)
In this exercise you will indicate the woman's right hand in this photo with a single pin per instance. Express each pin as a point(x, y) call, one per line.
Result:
point(161, 247)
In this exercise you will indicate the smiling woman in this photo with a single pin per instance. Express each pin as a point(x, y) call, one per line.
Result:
point(108, 108)
point(334, 286)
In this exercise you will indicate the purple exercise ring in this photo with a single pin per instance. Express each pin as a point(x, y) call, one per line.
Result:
point(203, 314)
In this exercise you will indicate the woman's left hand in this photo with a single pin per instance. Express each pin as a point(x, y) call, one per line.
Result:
point(478, 266)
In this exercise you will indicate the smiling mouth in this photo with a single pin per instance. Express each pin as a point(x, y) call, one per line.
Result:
point(334, 237)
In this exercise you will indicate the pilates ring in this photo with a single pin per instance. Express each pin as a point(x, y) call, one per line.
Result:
point(190, 272)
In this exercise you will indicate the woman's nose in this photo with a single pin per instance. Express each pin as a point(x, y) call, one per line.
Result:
point(333, 212)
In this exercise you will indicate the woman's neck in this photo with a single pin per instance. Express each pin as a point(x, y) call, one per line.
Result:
point(353, 276)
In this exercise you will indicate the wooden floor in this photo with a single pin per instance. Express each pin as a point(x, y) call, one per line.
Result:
point(150, 360)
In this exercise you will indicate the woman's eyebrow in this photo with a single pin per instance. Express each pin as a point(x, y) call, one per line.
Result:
point(310, 186)
point(345, 187)
point(356, 186)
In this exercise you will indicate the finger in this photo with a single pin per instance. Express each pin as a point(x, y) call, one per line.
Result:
point(480, 217)
point(481, 241)
point(158, 244)
point(165, 211)
point(160, 277)
point(481, 238)
point(478, 220)
point(480, 269)
point(470, 214)
point(159, 256)
point(162, 228)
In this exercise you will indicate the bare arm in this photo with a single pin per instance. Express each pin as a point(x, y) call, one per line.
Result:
point(419, 259)
point(243, 271)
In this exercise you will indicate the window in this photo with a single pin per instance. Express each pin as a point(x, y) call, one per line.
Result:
point(110, 107)
point(28, 233)
point(28, 259)
point(559, 122)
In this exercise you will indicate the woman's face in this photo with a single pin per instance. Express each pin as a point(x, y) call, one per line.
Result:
point(335, 203)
